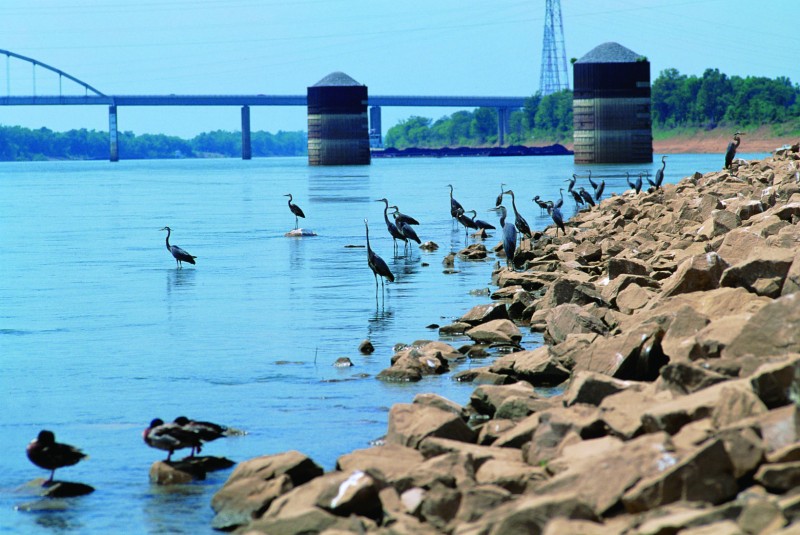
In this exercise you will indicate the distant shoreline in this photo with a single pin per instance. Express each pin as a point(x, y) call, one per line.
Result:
point(444, 152)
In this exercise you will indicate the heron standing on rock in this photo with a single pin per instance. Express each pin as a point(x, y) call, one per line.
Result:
point(730, 154)
point(296, 210)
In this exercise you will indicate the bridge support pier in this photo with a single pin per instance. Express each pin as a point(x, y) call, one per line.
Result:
point(113, 138)
point(375, 139)
point(246, 145)
point(503, 115)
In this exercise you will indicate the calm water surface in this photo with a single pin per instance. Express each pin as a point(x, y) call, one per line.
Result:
point(100, 333)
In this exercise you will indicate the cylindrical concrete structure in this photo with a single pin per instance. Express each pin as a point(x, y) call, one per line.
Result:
point(338, 125)
point(611, 107)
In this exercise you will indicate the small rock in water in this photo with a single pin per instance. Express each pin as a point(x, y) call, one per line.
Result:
point(429, 246)
point(433, 326)
point(366, 347)
point(300, 233)
point(343, 362)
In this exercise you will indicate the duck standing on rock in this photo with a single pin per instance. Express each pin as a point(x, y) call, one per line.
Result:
point(45, 452)
point(170, 437)
point(205, 431)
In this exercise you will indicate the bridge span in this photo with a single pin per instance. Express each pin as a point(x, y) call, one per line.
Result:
point(91, 96)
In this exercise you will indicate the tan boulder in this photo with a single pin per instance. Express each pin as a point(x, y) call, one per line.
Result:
point(496, 331)
point(591, 388)
point(626, 266)
point(478, 500)
point(773, 330)
point(762, 273)
point(483, 313)
point(720, 222)
point(633, 298)
point(409, 424)
point(487, 398)
point(779, 477)
point(515, 477)
point(705, 474)
point(739, 244)
point(570, 319)
point(698, 273)
point(308, 520)
point(390, 460)
point(435, 446)
point(792, 282)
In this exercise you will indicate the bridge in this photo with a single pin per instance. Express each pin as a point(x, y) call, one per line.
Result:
point(93, 97)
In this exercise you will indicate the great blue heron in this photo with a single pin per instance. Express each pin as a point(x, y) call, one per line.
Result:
point(169, 437)
point(571, 182)
point(598, 190)
point(578, 198)
point(519, 221)
point(45, 452)
point(479, 223)
point(560, 202)
point(509, 236)
point(558, 219)
point(586, 196)
point(177, 253)
point(295, 209)
point(638, 184)
point(499, 199)
point(391, 227)
point(376, 263)
point(455, 206)
point(660, 173)
point(467, 222)
point(403, 217)
point(730, 154)
point(592, 182)
point(543, 205)
point(405, 229)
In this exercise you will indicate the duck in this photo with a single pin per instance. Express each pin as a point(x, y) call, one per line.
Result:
point(205, 431)
point(45, 452)
point(170, 437)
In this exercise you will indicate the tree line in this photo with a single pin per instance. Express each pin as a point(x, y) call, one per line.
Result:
point(677, 101)
point(18, 143)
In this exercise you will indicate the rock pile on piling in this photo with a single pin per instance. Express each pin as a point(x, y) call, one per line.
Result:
point(672, 319)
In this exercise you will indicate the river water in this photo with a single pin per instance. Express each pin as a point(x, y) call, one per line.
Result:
point(100, 332)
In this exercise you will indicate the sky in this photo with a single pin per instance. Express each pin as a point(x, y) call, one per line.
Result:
point(400, 47)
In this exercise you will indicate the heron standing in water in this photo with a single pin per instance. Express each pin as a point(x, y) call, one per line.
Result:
point(509, 236)
point(391, 227)
point(730, 154)
point(296, 210)
point(179, 254)
point(455, 206)
point(376, 264)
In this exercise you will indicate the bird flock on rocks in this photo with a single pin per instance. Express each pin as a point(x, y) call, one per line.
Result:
point(184, 433)
point(402, 226)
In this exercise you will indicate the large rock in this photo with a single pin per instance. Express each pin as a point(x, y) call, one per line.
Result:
point(496, 331)
point(704, 475)
point(570, 319)
point(763, 273)
point(626, 266)
point(409, 424)
point(720, 222)
point(773, 330)
point(592, 388)
point(390, 460)
point(483, 313)
point(696, 274)
point(738, 245)
point(256, 483)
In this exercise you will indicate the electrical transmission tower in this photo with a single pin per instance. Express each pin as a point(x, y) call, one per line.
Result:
point(553, 77)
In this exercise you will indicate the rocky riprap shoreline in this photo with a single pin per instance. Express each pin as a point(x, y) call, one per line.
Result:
point(672, 319)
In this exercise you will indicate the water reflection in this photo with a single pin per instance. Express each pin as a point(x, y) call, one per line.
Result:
point(164, 506)
point(179, 278)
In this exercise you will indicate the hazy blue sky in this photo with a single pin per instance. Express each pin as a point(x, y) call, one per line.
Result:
point(402, 47)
